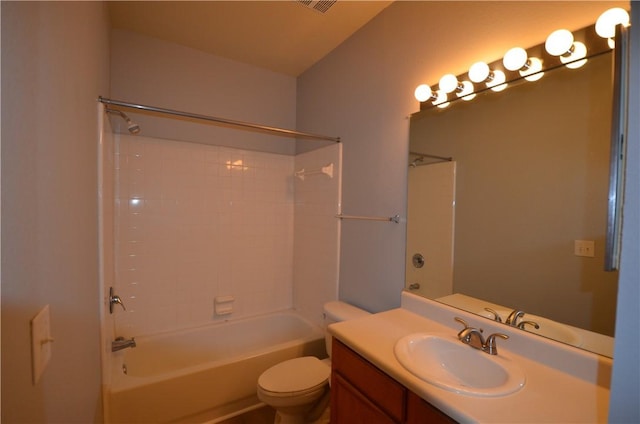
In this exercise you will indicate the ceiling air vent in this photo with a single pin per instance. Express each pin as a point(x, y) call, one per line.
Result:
point(318, 5)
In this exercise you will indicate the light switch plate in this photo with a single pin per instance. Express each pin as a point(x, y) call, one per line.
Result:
point(584, 248)
point(40, 342)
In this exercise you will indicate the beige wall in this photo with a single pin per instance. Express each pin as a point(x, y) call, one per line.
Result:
point(363, 92)
point(54, 65)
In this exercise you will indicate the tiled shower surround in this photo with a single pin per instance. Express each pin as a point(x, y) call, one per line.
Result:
point(195, 222)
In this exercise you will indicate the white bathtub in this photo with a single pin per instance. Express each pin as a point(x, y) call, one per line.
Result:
point(207, 372)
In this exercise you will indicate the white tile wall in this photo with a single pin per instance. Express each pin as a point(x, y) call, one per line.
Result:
point(316, 232)
point(194, 222)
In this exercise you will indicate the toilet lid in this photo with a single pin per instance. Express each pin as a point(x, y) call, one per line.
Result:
point(295, 375)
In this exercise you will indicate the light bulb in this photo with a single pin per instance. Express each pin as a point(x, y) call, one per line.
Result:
point(467, 91)
point(479, 72)
point(532, 73)
point(448, 83)
point(423, 93)
point(498, 81)
point(515, 59)
point(559, 42)
point(579, 52)
point(606, 23)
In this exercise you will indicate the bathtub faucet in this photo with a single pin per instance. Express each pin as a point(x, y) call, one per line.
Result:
point(120, 343)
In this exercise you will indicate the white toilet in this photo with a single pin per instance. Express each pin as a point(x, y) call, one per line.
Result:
point(298, 389)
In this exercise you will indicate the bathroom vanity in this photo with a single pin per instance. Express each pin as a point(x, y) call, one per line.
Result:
point(361, 392)
point(556, 382)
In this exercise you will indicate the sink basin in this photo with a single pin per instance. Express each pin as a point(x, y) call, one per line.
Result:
point(548, 328)
point(446, 362)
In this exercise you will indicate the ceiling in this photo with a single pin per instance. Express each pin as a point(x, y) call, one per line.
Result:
point(283, 36)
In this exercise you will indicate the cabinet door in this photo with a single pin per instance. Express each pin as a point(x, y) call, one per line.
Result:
point(420, 411)
point(383, 391)
point(349, 406)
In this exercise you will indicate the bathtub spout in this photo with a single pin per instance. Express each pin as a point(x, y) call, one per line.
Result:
point(120, 343)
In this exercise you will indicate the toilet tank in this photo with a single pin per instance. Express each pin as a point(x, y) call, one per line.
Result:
point(337, 311)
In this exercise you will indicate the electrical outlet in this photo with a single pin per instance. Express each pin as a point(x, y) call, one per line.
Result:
point(40, 342)
point(584, 248)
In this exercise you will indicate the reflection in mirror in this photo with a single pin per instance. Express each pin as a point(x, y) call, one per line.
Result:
point(500, 225)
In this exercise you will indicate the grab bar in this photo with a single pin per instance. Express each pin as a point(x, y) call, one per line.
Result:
point(395, 218)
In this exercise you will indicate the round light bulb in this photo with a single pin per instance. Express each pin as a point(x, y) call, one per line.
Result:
point(448, 83)
point(532, 73)
point(606, 23)
point(559, 42)
point(423, 93)
point(467, 91)
point(498, 81)
point(479, 72)
point(515, 59)
point(579, 52)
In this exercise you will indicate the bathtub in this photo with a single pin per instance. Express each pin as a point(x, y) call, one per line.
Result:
point(207, 372)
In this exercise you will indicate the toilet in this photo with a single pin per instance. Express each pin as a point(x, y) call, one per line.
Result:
point(298, 389)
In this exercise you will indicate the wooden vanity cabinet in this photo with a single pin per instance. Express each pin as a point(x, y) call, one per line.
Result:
point(363, 394)
point(419, 411)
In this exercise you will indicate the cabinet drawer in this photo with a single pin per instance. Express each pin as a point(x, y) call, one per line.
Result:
point(381, 389)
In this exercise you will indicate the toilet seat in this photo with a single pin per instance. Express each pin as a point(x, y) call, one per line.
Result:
point(295, 377)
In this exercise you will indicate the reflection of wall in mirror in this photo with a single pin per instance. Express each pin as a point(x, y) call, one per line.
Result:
point(431, 193)
point(527, 185)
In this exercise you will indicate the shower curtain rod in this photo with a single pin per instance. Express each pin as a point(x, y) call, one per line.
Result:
point(426, 155)
point(216, 119)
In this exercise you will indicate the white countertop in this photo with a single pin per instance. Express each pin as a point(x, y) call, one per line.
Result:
point(563, 384)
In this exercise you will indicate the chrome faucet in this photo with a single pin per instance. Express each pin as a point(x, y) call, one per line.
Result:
point(121, 343)
point(469, 335)
point(473, 337)
point(513, 318)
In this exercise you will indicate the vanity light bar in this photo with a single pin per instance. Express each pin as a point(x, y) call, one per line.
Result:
point(562, 48)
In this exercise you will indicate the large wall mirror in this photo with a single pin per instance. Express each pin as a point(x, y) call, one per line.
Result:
point(516, 220)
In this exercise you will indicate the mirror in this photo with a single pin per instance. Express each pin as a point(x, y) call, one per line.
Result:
point(503, 223)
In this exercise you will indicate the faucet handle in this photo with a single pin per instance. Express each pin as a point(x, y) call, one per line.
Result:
point(496, 317)
point(466, 326)
point(531, 323)
point(463, 322)
point(114, 299)
point(467, 331)
point(490, 345)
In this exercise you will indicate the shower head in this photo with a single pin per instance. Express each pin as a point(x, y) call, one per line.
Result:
point(131, 126)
